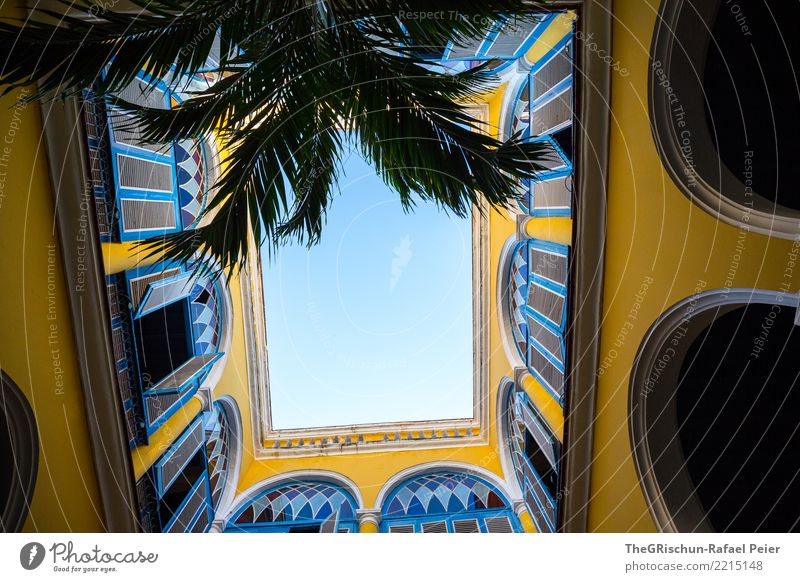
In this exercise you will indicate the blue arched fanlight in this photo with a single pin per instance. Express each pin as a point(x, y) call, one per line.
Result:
point(190, 160)
point(447, 502)
point(518, 295)
point(205, 313)
point(299, 507)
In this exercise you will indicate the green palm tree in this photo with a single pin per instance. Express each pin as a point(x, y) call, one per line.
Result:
point(292, 74)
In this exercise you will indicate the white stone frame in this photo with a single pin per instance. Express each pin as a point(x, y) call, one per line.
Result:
point(247, 496)
point(374, 437)
point(765, 216)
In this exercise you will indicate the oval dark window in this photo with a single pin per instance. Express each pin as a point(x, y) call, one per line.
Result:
point(738, 412)
point(724, 95)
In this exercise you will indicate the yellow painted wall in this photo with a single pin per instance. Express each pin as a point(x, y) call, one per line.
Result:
point(370, 471)
point(554, 32)
point(37, 349)
point(654, 234)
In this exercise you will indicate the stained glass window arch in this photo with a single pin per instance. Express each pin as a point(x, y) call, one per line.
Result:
point(206, 314)
point(447, 501)
point(518, 297)
point(298, 507)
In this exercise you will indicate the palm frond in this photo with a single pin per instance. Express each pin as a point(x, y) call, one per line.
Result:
point(298, 83)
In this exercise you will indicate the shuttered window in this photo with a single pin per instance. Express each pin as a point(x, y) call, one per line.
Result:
point(466, 526)
point(165, 291)
point(434, 527)
point(159, 188)
point(498, 525)
point(535, 455)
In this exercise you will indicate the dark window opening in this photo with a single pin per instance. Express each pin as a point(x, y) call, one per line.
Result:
point(541, 465)
point(162, 342)
point(752, 96)
point(563, 138)
point(9, 461)
point(203, 297)
point(305, 528)
point(177, 492)
point(738, 412)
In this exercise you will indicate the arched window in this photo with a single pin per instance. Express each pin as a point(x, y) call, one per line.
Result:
point(542, 111)
point(714, 411)
point(722, 108)
point(299, 507)
point(19, 455)
point(447, 502)
point(218, 436)
point(166, 323)
point(144, 190)
point(521, 114)
point(537, 291)
point(205, 315)
point(535, 453)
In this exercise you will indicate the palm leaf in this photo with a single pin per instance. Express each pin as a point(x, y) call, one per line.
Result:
point(292, 76)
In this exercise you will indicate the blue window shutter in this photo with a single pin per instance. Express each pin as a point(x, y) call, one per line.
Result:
point(144, 174)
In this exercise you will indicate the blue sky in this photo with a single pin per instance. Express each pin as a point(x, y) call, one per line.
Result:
point(374, 324)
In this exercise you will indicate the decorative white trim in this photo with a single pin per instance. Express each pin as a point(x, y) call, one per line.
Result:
point(515, 81)
point(203, 394)
point(480, 111)
point(519, 506)
point(331, 477)
point(369, 516)
point(438, 466)
point(213, 164)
